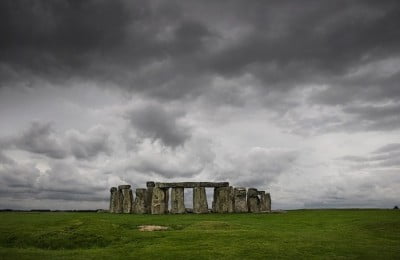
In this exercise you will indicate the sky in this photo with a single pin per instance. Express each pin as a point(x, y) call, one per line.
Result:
point(298, 98)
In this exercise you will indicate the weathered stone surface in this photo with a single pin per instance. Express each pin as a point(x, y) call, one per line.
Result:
point(263, 205)
point(223, 200)
point(253, 201)
point(120, 203)
point(240, 200)
point(200, 204)
point(177, 201)
point(114, 200)
point(159, 201)
point(139, 206)
point(126, 199)
point(191, 184)
point(268, 202)
point(150, 184)
point(231, 205)
point(149, 196)
point(131, 199)
point(155, 198)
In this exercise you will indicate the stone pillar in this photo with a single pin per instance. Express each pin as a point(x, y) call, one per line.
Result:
point(126, 198)
point(177, 201)
point(159, 202)
point(240, 200)
point(268, 202)
point(231, 205)
point(149, 194)
point(263, 202)
point(114, 200)
point(119, 203)
point(253, 202)
point(200, 204)
point(139, 206)
point(223, 200)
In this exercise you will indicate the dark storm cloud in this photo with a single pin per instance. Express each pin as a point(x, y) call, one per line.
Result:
point(158, 123)
point(97, 40)
point(41, 138)
point(169, 49)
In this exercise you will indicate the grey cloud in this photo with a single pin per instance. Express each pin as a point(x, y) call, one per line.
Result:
point(159, 123)
point(175, 50)
point(64, 178)
point(16, 175)
point(388, 148)
point(189, 161)
point(386, 156)
point(347, 118)
point(41, 138)
point(90, 144)
point(126, 41)
point(61, 181)
point(259, 167)
point(167, 171)
point(58, 41)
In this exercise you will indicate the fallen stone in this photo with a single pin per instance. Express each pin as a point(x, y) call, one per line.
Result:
point(152, 228)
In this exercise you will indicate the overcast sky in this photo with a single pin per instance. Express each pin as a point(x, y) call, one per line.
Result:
point(299, 98)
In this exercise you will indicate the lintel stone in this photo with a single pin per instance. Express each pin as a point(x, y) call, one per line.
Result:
point(191, 184)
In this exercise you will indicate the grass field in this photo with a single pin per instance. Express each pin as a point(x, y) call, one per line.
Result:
point(353, 234)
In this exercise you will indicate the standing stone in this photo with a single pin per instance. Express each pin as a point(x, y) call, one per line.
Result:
point(240, 200)
point(166, 199)
point(223, 200)
point(131, 201)
point(120, 200)
point(139, 206)
point(148, 198)
point(263, 202)
point(177, 201)
point(268, 202)
point(231, 205)
point(114, 200)
point(200, 204)
point(253, 201)
point(126, 198)
point(159, 202)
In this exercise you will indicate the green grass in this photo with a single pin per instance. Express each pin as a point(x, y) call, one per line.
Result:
point(306, 234)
